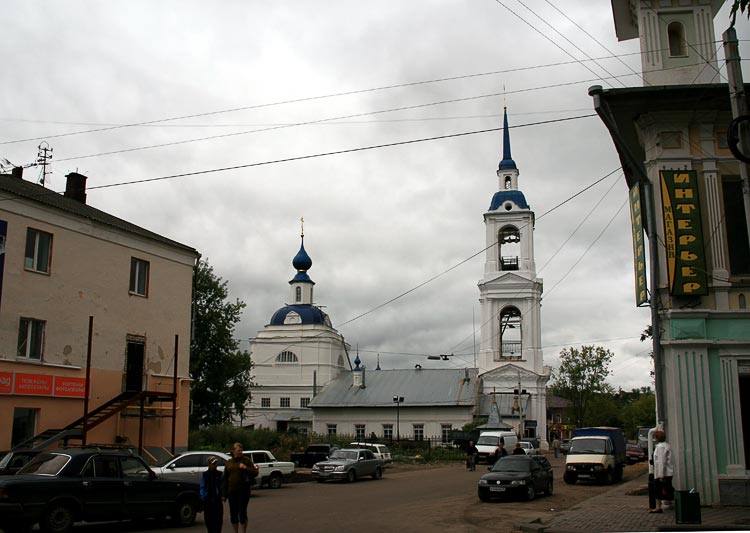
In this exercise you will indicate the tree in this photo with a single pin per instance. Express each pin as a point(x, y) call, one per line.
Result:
point(220, 370)
point(738, 5)
point(580, 377)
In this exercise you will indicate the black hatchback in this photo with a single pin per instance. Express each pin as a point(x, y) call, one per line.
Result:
point(522, 476)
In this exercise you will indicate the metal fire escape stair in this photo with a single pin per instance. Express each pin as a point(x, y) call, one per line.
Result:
point(74, 430)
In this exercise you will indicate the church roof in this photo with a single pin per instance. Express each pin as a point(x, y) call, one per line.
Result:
point(514, 196)
point(507, 162)
point(419, 387)
point(309, 314)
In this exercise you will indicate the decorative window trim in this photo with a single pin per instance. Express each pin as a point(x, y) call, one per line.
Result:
point(287, 357)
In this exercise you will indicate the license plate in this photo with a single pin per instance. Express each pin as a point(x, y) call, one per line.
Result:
point(497, 489)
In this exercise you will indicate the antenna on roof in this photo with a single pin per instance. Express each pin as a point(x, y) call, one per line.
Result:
point(42, 158)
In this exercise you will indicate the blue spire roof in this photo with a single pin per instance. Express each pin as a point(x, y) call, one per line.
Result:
point(507, 163)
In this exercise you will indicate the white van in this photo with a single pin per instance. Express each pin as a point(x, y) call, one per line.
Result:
point(489, 441)
point(380, 451)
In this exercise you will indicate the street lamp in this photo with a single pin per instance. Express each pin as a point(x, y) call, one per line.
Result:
point(398, 400)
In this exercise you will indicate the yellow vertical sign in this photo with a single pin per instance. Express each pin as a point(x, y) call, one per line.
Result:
point(683, 233)
point(639, 254)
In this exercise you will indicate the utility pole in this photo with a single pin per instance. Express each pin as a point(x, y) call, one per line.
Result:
point(738, 99)
point(42, 158)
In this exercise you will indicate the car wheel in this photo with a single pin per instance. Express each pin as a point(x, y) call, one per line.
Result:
point(530, 492)
point(378, 473)
point(351, 476)
point(58, 518)
point(184, 513)
point(618, 474)
point(548, 490)
point(609, 477)
point(274, 482)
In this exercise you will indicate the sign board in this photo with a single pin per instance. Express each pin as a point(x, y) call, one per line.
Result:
point(639, 254)
point(683, 233)
point(42, 385)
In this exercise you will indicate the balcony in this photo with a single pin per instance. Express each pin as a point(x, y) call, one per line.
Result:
point(509, 263)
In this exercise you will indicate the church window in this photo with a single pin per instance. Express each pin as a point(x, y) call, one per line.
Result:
point(287, 357)
point(265, 402)
point(676, 36)
point(285, 402)
point(359, 431)
point(508, 182)
point(340, 361)
point(736, 226)
point(418, 431)
point(304, 402)
point(292, 318)
point(510, 335)
point(298, 294)
point(508, 244)
point(331, 428)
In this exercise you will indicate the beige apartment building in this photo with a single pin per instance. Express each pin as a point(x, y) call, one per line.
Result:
point(89, 302)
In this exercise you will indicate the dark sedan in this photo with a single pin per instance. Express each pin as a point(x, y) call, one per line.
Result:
point(12, 461)
point(60, 487)
point(517, 475)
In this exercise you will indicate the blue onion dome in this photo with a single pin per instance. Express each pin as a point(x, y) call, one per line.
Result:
point(357, 361)
point(302, 261)
point(305, 314)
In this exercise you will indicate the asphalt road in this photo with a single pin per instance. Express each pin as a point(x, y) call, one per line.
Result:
point(406, 499)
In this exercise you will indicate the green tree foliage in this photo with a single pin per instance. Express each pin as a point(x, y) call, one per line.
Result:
point(580, 377)
point(220, 370)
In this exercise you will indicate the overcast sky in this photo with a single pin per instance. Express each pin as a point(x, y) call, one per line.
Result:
point(202, 86)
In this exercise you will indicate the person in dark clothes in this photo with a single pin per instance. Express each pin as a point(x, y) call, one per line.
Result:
point(239, 473)
point(472, 454)
point(213, 505)
point(518, 450)
point(500, 451)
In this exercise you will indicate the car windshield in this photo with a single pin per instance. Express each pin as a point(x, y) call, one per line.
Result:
point(345, 455)
point(511, 464)
point(590, 446)
point(488, 440)
point(5, 458)
point(643, 433)
point(47, 464)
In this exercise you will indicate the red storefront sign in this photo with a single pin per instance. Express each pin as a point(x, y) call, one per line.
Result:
point(34, 384)
point(6, 382)
point(70, 387)
point(42, 385)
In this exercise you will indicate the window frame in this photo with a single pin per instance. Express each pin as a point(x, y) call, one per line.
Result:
point(31, 263)
point(304, 402)
point(285, 400)
point(388, 431)
point(27, 324)
point(331, 430)
point(138, 278)
point(265, 403)
point(418, 431)
point(360, 432)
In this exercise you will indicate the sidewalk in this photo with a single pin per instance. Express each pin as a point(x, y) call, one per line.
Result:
point(620, 510)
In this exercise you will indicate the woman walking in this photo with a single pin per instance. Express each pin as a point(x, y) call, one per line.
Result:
point(239, 473)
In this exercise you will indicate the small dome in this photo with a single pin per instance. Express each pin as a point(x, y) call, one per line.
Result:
point(300, 314)
point(302, 261)
point(501, 197)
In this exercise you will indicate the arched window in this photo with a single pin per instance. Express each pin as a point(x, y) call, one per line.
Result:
point(298, 294)
point(743, 302)
point(676, 36)
point(508, 182)
point(510, 334)
point(287, 357)
point(508, 247)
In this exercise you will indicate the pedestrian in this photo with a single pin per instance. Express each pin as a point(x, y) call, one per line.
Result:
point(472, 454)
point(213, 505)
point(556, 446)
point(518, 450)
point(239, 475)
point(500, 451)
point(663, 472)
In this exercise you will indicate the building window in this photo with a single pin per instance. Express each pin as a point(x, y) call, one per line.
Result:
point(331, 428)
point(445, 432)
point(298, 294)
point(388, 431)
point(359, 432)
point(418, 431)
point(676, 36)
point(38, 250)
point(736, 226)
point(265, 402)
point(304, 402)
point(285, 402)
point(31, 339)
point(139, 276)
point(287, 357)
point(24, 424)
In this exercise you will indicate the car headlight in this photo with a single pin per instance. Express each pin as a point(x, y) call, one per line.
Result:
point(570, 467)
point(340, 468)
point(315, 468)
point(483, 482)
point(597, 467)
point(518, 482)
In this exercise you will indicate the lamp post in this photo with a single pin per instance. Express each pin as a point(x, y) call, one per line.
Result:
point(398, 400)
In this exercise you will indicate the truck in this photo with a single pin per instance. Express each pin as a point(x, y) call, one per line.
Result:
point(314, 453)
point(597, 454)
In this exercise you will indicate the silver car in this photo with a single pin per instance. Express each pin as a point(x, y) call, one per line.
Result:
point(189, 465)
point(349, 464)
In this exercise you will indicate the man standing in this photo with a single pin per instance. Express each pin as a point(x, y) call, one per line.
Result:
point(213, 506)
point(556, 446)
point(471, 456)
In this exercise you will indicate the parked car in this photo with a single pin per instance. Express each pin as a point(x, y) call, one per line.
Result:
point(189, 465)
point(349, 464)
point(534, 443)
point(565, 446)
point(61, 487)
point(517, 475)
point(634, 454)
point(380, 451)
point(271, 472)
point(527, 447)
point(12, 461)
point(312, 454)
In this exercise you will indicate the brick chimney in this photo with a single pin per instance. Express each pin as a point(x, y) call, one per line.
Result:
point(75, 187)
point(17, 172)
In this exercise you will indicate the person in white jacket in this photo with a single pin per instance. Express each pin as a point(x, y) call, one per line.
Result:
point(663, 471)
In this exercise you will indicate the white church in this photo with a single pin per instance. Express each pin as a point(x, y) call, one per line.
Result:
point(305, 379)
